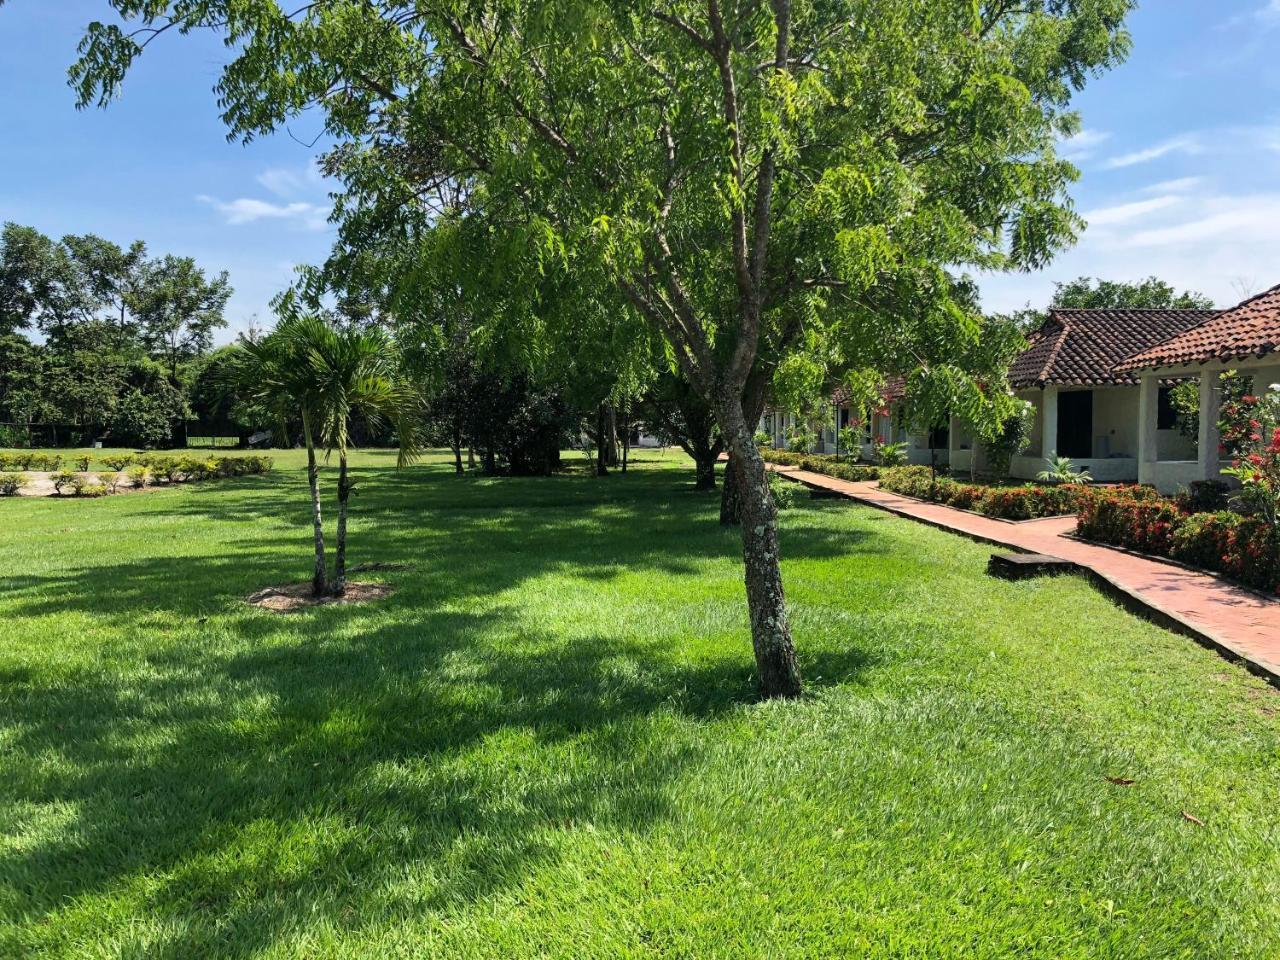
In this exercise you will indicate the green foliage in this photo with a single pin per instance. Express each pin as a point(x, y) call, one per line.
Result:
point(890, 454)
point(1010, 440)
point(1244, 548)
point(107, 316)
point(139, 476)
point(801, 437)
point(1063, 470)
point(1026, 502)
point(1257, 465)
point(1149, 294)
point(64, 478)
point(782, 491)
point(11, 484)
point(825, 464)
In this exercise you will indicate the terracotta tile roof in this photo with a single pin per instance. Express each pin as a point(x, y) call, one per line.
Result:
point(1251, 329)
point(1088, 347)
point(895, 388)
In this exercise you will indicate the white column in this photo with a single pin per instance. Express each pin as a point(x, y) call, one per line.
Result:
point(1148, 422)
point(1049, 423)
point(1209, 439)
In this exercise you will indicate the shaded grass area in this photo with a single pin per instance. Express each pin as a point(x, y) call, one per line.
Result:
point(546, 743)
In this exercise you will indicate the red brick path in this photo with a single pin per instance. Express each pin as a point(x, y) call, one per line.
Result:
point(1238, 622)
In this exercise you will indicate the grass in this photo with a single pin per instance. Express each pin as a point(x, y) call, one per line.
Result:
point(546, 743)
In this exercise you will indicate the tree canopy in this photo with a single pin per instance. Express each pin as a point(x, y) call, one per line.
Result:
point(740, 174)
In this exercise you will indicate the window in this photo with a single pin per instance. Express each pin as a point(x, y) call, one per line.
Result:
point(1166, 413)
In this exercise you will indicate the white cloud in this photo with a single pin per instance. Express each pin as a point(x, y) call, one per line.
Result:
point(1206, 241)
point(1237, 219)
point(1181, 185)
point(249, 210)
point(1083, 145)
point(292, 182)
point(1124, 212)
point(1184, 144)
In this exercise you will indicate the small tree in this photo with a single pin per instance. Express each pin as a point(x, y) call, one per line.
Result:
point(327, 375)
point(355, 373)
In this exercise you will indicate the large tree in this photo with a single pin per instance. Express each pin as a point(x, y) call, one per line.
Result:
point(733, 169)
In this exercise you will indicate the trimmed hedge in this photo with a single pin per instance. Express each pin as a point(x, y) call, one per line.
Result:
point(1027, 502)
point(825, 464)
point(1244, 548)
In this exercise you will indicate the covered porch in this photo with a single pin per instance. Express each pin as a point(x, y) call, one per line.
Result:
point(1206, 461)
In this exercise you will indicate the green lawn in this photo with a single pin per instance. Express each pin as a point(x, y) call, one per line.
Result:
point(545, 744)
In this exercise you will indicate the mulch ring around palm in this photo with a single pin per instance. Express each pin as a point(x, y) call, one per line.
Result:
point(298, 596)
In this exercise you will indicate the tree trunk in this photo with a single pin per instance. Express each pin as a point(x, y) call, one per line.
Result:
point(704, 465)
point(319, 579)
point(339, 585)
point(753, 404)
point(457, 450)
point(770, 629)
point(730, 497)
point(626, 437)
point(603, 446)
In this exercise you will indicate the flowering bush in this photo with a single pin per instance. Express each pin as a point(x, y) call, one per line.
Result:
point(1005, 503)
point(1258, 465)
point(1244, 548)
point(1120, 518)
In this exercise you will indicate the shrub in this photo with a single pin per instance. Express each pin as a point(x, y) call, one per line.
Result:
point(82, 463)
point(813, 462)
point(1245, 548)
point(63, 478)
point(1028, 502)
point(1203, 496)
point(1146, 525)
point(164, 468)
point(11, 483)
point(93, 490)
point(118, 462)
point(50, 462)
point(890, 454)
point(112, 481)
point(784, 493)
point(138, 475)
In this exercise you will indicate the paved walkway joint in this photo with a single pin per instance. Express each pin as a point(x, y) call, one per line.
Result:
point(1241, 625)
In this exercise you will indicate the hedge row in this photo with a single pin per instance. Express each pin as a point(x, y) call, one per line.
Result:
point(30, 460)
point(1027, 502)
point(822, 463)
point(1244, 548)
point(145, 470)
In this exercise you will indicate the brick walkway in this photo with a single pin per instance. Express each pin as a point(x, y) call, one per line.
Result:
point(1238, 623)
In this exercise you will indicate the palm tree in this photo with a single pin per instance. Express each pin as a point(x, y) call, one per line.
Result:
point(356, 372)
point(275, 379)
point(308, 368)
point(1062, 470)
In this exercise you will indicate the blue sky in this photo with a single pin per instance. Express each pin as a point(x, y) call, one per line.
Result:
point(1180, 155)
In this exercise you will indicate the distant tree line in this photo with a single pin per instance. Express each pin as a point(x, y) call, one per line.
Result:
point(103, 342)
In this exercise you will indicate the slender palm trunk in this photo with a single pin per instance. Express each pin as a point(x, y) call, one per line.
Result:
point(770, 628)
point(339, 585)
point(319, 579)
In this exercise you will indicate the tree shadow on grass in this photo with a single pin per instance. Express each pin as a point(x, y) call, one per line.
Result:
point(459, 541)
point(293, 769)
point(287, 781)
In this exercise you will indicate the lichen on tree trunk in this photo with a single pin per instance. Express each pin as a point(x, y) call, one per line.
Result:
point(770, 627)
